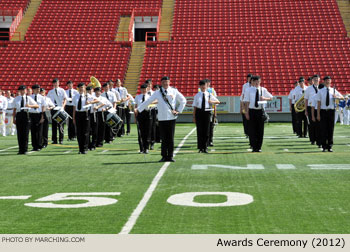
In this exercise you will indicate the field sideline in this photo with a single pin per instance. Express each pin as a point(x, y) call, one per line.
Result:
point(293, 187)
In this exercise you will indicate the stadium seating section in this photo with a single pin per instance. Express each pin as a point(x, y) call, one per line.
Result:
point(222, 40)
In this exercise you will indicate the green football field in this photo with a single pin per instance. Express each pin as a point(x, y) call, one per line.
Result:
point(291, 187)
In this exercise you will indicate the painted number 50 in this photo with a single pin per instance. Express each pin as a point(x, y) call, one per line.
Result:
point(91, 201)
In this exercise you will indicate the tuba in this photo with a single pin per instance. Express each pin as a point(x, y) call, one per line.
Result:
point(299, 106)
point(94, 82)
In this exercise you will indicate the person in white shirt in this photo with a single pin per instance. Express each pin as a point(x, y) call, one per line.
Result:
point(309, 92)
point(168, 98)
point(98, 127)
point(81, 117)
point(302, 120)
point(59, 97)
point(10, 127)
point(110, 96)
point(291, 98)
point(254, 112)
point(22, 104)
point(213, 118)
point(143, 121)
point(313, 118)
point(48, 107)
point(154, 112)
point(347, 110)
point(37, 118)
point(122, 105)
point(202, 112)
point(326, 111)
point(241, 108)
point(3, 108)
point(129, 107)
point(70, 92)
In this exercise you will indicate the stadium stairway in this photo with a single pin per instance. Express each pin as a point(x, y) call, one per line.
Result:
point(123, 29)
point(134, 68)
point(167, 18)
point(27, 19)
point(344, 7)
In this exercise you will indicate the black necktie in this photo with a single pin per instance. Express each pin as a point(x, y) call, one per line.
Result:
point(316, 90)
point(22, 102)
point(35, 98)
point(257, 98)
point(79, 103)
point(107, 96)
point(166, 92)
point(327, 97)
point(143, 98)
point(56, 95)
point(203, 102)
point(70, 93)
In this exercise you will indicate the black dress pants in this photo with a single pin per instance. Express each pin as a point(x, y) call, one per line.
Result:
point(256, 128)
point(22, 125)
point(36, 130)
point(82, 120)
point(203, 128)
point(327, 128)
point(167, 131)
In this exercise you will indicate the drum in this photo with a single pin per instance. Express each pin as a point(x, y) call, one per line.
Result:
point(113, 121)
point(60, 116)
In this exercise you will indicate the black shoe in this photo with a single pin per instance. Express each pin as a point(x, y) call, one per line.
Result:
point(127, 133)
point(313, 143)
point(211, 144)
point(200, 151)
point(330, 150)
point(83, 152)
point(60, 142)
point(162, 160)
point(92, 148)
point(99, 145)
point(54, 142)
point(152, 147)
point(21, 153)
point(170, 160)
point(324, 150)
point(146, 151)
point(44, 146)
point(205, 151)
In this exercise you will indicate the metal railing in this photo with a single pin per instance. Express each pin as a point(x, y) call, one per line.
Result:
point(153, 37)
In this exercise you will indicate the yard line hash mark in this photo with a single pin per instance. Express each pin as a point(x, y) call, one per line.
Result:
point(146, 197)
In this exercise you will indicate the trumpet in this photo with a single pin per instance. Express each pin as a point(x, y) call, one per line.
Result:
point(299, 106)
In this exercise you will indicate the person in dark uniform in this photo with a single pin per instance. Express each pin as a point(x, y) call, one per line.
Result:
point(69, 109)
point(318, 137)
point(59, 97)
point(202, 112)
point(110, 96)
point(48, 106)
point(254, 112)
point(168, 98)
point(309, 92)
point(37, 118)
point(144, 121)
point(153, 111)
point(157, 134)
point(81, 117)
point(22, 104)
point(302, 120)
point(326, 111)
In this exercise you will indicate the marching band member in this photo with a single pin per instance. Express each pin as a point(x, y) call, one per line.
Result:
point(129, 104)
point(347, 111)
point(302, 120)
point(168, 98)
point(309, 92)
point(59, 97)
point(10, 127)
point(70, 92)
point(98, 127)
point(81, 117)
point(22, 104)
point(291, 98)
point(254, 112)
point(144, 120)
point(3, 108)
point(212, 91)
point(121, 106)
point(314, 104)
point(48, 107)
point(157, 132)
point(339, 112)
point(202, 108)
point(153, 111)
point(110, 96)
point(241, 108)
point(37, 118)
point(325, 113)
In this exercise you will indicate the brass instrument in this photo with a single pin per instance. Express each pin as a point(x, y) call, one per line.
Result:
point(299, 106)
point(94, 82)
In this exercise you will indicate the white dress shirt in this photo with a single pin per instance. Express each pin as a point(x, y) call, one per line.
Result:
point(123, 93)
point(116, 93)
point(111, 96)
point(298, 93)
point(250, 94)
point(314, 101)
point(245, 86)
point(322, 96)
point(291, 95)
point(59, 98)
point(102, 100)
point(198, 99)
point(10, 103)
point(3, 103)
point(164, 111)
point(309, 92)
point(27, 101)
point(138, 99)
point(40, 100)
point(70, 97)
point(84, 99)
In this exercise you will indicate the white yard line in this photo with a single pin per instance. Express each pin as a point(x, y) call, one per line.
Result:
point(66, 152)
point(104, 151)
point(9, 148)
point(146, 197)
